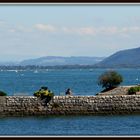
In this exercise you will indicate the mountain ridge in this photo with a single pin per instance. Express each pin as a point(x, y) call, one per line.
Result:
point(60, 60)
point(123, 58)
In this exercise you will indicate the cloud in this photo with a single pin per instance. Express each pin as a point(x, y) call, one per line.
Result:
point(20, 29)
point(133, 29)
point(91, 30)
point(110, 30)
point(121, 30)
point(87, 31)
point(45, 27)
point(80, 31)
point(14, 28)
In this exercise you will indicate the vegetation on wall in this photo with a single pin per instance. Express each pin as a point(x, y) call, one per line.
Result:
point(109, 80)
point(3, 93)
point(133, 90)
point(44, 92)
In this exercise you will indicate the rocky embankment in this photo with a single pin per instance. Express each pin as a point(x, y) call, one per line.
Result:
point(69, 105)
point(115, 101)
point(121, 90)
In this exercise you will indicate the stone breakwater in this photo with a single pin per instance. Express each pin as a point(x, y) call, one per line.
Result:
point(69, 105)
point(121, 90)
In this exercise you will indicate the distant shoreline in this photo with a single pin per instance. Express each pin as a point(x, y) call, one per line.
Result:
point(34, 67)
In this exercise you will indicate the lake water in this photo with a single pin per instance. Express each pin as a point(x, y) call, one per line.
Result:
point(82, 82)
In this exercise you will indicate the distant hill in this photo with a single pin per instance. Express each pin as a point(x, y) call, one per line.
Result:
point(124, 58)
point(56, 60)
point(9, 63)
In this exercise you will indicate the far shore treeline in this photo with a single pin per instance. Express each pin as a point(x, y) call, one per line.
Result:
point(34, 67)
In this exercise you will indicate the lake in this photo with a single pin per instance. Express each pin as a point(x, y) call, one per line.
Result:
point(82, 82)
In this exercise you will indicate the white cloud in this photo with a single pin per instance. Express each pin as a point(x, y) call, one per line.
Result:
point(68, 30)
point(133, 29)
point(80, 31)
point(91, 30)
point(112, 30)
point(87, 31)
point(108, 30)
point(45, 27)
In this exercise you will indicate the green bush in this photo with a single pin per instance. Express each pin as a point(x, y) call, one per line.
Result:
point(133, 90)
point(43, 93)
point(109, 80)
point(2, 93)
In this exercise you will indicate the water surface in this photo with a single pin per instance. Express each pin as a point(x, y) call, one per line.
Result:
point(82, 82)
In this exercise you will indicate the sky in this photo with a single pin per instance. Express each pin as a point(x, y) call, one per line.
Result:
point(32, 31)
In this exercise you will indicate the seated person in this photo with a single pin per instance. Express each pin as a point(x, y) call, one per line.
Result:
point(68, 92)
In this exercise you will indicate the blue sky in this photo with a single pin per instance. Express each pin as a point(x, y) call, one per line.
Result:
point(32, 31)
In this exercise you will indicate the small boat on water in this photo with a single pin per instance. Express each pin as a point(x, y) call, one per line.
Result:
point(90, 70)
point(16, 71)
point(36, 71)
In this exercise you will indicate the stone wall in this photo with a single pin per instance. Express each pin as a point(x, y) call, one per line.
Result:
point(66, 105)
point(121, 90)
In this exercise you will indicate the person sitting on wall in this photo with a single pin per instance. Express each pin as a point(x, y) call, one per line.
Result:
point(68, 92)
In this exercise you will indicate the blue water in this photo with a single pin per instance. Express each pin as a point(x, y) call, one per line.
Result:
point(71, 125)
point(82, 82)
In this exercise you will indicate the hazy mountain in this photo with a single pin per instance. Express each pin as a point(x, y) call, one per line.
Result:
point(9, 63)
point(56, 60)
point(124, 58)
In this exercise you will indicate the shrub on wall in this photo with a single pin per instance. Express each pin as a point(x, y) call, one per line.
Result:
point(3, 93)
point(133, 90)
point(43, 92)
point(109, 80)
